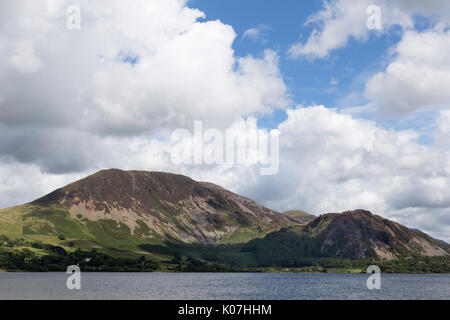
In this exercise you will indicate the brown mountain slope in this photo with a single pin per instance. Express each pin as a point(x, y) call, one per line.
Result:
point(352, 234)
point(361, 234)
point(173, 206)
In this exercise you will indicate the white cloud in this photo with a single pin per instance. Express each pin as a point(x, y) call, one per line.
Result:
point(25, 59)
point(81, 85)
point(334, 82)
point(257, 33)
point(21, 183)
point(418, 76)
point(443, 131)
point(331, 162)
point(341, 20)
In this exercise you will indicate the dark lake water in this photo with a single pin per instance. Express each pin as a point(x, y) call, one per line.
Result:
point(225, 286)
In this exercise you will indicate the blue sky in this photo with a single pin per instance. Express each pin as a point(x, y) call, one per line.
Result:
point(309, 81)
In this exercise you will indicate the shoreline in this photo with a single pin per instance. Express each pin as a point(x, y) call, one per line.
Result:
point(218, 272)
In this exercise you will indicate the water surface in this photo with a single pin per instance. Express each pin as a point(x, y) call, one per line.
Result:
point(224, 286)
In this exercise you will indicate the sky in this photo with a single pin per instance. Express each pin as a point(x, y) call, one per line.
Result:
point(362, 110)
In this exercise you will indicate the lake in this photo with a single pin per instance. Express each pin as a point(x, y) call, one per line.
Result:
point(223, 286)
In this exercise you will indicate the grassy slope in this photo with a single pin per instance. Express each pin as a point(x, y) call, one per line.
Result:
point(297, 213)
point(299, 216)
point(244, 235)
point(46, 224)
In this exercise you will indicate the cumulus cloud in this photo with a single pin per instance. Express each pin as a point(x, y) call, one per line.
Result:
point(132, 69)
point(25, 59)
point(418, 75)
point(341, 20)
point(21, 183)
point(331, 162)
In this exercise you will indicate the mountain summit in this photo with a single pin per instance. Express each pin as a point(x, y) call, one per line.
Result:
point(357, 234)
point(173, 206)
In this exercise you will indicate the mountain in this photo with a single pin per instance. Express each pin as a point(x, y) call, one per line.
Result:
point(122, 210)
point(353, 235)
point(177, 223)
point(299, 216)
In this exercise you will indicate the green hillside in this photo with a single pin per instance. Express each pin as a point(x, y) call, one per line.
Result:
point(299, 216)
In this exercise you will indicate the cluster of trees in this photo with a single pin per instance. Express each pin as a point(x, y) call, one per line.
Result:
point(58, 259)
point(417, 265)
point(7, 242)
point(290, 250)
point(194, 264)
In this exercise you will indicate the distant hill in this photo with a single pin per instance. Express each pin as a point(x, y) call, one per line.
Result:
point(122, 210)
point(299, 216)
point(353, 235)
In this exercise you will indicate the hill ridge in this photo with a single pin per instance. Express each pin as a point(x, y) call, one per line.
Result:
point(356, 234)
point(173, 206)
